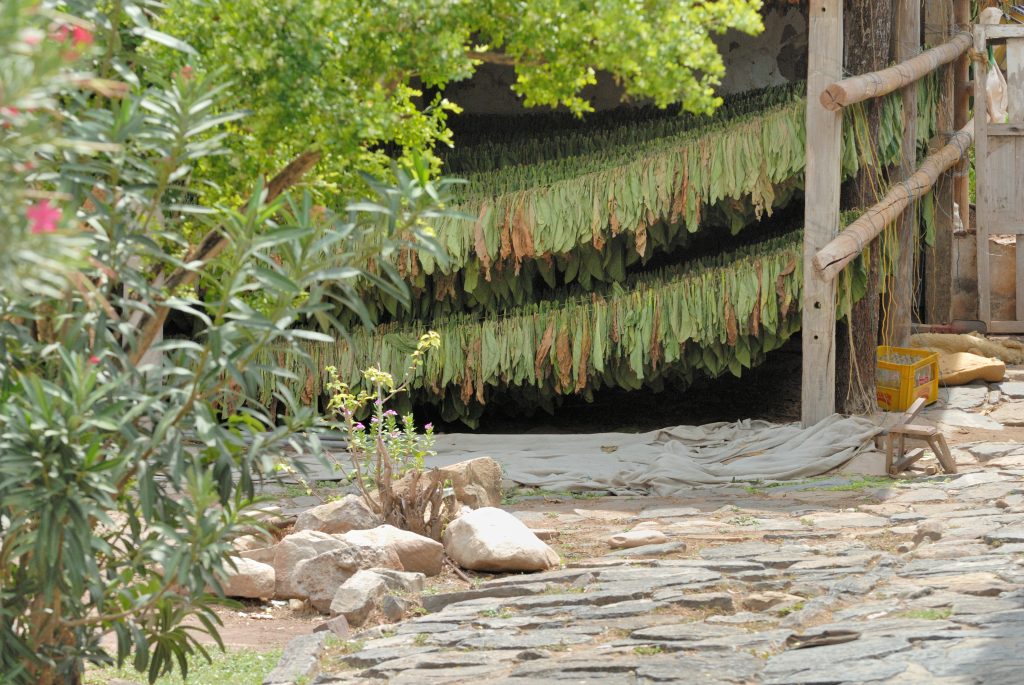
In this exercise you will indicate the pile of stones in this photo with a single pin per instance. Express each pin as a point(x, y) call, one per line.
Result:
point(344, 561)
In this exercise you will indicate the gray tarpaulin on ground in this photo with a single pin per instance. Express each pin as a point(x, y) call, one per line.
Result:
point(660, 462)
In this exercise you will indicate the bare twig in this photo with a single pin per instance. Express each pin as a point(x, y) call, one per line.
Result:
point(212, 244)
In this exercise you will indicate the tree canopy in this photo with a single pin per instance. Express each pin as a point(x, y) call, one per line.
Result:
point(363, 80)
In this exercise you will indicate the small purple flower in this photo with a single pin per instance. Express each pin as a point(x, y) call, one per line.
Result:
point(374, 420)
point(359, 426)
point(429, 427)
point(378, 402)
point(391, 412)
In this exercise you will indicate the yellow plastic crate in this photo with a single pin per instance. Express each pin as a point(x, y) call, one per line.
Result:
point(905, 374)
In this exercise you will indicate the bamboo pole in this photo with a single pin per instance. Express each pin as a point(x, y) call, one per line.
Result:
point(821, 212)
point(878, 83)
point(842, 250)
point(962, 74)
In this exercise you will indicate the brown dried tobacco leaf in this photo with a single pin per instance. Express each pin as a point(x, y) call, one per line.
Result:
point(755, 321)
point(641, 239)
point(543, 349)
point(563, 352)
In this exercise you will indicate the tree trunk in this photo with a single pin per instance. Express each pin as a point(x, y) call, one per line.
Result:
point(867, 29)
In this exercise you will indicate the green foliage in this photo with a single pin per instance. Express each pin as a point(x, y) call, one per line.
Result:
point(356, 78)
point(129, 466)
point(390, 446)
point(234, 667)
point(390, 449)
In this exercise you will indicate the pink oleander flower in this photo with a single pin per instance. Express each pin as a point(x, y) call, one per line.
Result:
point(94, 360)
point(81, 36)
point(44, 217)
point(77, 34)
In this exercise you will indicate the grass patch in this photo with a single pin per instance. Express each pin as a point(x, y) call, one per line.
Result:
point(862, 484)
point(519, 494)
point(647, 650)
point(244, 667)
point(928, 614)
point(742, 521)
point(504, 612)
point(786, 611)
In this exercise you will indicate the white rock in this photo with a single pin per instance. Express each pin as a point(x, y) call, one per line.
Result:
point(348, 513)
point(418, 553)
point(247, 543)
point(491, 539)
point(264, 555)
point(249, 579)
point(477, 482)
point(292, 550)
point(636, 538)
point(358, 596)
point(319, 578)
point(401, 582)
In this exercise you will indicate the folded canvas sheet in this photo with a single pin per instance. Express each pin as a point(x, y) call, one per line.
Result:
point(664, 461)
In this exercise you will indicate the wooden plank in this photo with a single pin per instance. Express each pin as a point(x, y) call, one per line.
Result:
point(1004, 227)
point(1002, 31)
point(901, 286)
point(938, 259)
point(981, 180)
point(1015, 81)
point(1020, 279)
point(821, 210)
point(1005, 129)
point(1005, 327)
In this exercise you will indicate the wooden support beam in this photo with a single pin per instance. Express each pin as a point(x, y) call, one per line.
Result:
point(938, 259)
point(961, 111)
point(878, 83)
point(821, 211)
point(900, 292)
point(832, 258)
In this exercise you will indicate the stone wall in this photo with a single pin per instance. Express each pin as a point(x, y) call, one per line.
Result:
point(776, 56)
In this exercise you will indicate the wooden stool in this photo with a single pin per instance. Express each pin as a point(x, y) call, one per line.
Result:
point(897, 459)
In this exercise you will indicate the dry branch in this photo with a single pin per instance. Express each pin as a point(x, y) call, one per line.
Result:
point(845, 247)
point(878, 83)
point(212, 244)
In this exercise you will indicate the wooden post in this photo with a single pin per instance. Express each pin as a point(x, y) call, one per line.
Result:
point(938, 259)
point(961, 113)
point(821, 210)
point(901, 284)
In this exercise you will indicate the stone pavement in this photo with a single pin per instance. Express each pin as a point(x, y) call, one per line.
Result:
point(836, 580)
point(923, 583)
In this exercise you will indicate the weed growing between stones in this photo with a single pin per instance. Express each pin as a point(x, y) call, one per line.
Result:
point(929, 614)
point(647, 650)
point(387, 453)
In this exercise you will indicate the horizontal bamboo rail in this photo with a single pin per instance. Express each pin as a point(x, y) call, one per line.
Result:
point(845, 247)
point(878, 83)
